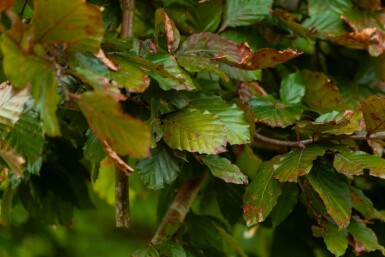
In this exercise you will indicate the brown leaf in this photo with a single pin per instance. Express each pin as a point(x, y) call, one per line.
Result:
point(122, 165)
point(248, 89)
point(109, 62)
point(371, 5)
point(373, 109)
point(169, 29)
point(359, 40)
point(291, 22)
point(267, 58)
point(5, 5)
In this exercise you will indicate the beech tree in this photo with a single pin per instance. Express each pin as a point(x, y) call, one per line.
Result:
point(258, 125)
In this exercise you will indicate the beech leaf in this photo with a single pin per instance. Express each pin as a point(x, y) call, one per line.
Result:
point(373, 110)
point(195, 131)
point(261, 195)
point(273, 112)
point(12, 158)
point(354, 163)
point(333, 189)
point(125, 134)
point(160, 169)
point(364, 239)
point(245, 12)
point(285, 205)
point(76, 20)
point(224, 169)
point(364, 205)
point(297, 163)
point(165, 27)
point(335, 239)
point(234, 119)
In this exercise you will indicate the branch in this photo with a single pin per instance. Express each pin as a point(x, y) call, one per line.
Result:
point(302, 143)
point(128, 14)
point(122, 198)
point(178, 210)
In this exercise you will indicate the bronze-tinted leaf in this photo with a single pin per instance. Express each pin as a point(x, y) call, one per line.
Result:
point(373, 109)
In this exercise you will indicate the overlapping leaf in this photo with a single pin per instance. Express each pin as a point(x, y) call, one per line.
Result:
point(93, 148)
point(12, 158)
point(37, 72)
point(336, 123)
point(364, 205)
point(213, 46)
point(224, 169)
point(245, 12)
point(74, 20)
point(104, 184)
point(273, 112)
point(285, 205)
point(297, 163)
point(170, 64)
point(335, 239)
point(321, 95)
point(238, 129)
point(27, 137)
point(125, 134)
point(195, 131)
point(354, 163)
point(160, 169)
point(333, 189)
point(165, 29)
point(11, 104)
point(261, 195)
point(373, 109)
point(364, 239)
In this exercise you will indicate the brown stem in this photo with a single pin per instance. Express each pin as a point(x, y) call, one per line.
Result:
point(178, 210)
point(122, 198)
point(128, 13)
point(122, 202)
point(302, 143)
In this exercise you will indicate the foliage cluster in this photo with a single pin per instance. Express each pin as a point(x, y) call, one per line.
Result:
point(272, 110)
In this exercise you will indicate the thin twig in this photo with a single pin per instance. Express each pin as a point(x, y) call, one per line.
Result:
point(128, 13)
point(178, 210)
point(122, 197)
point(302, 143)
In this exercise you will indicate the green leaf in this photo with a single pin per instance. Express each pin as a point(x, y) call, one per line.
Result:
point(171, 249)
point(285, 204)
point(92, 71)
point(224, 169)
point(6, 204)
point(171, 66)
point(205, 16)
point(335, 239)
point(364, 239)
point(245, 12)
point(195, 131)
point(56, 21)
point(104, 185)
point(313, 202)
point(193, 63)
point(321, 95)
point(238, 129)
point(11, 105)
point(297, 163)
point(292, 91)
point(40, 74)
point(333, 189)
point(125, 134)
point(150, 251)
point(27, 136)
point(93, 149)
point(335, 122)
point(160, 169)
point(354, 163)
point(291, 22)
point(273, 112)
point(166, 34)
point(241, 75)
point(364, 205)
point(261, 195)
point(373, 109)
point(130, 76)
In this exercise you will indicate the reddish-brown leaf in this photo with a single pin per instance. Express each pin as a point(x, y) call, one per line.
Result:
point(5, 5)
point(373, 109)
